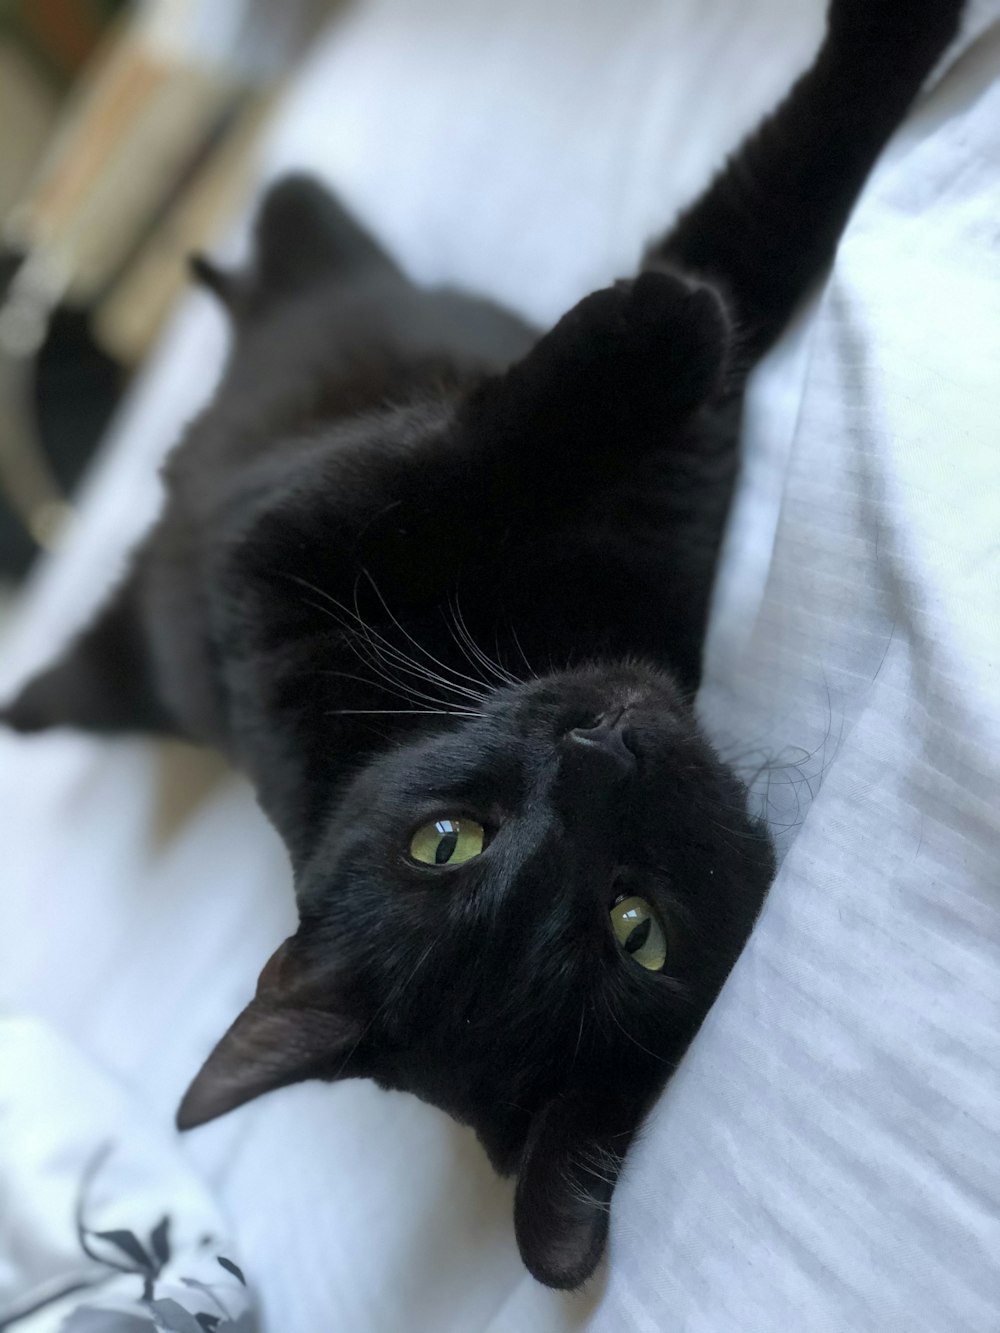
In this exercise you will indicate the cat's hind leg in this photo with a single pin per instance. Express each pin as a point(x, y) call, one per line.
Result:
point(102, 683)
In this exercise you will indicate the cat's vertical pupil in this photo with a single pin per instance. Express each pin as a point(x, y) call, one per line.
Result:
point(639, 936)
point(449, 841)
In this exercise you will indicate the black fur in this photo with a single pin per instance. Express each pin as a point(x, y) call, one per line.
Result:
point(405, 500)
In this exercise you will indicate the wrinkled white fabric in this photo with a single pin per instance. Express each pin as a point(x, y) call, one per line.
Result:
point(826, 1157)
point(98, 1210)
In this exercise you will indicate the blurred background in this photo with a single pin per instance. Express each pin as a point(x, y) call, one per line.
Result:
point(127, 133)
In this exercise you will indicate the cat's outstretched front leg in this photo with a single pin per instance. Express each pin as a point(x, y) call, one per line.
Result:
point(769, 223)
point(103, 682)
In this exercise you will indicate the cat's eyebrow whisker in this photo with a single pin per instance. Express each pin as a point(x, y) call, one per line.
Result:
point(492, 664)
point(477, 659)
point(385, 659)
point(377, 662)
point(379, 647)
point(459, 675)
point(420, 671)
point(460, 643)
point(364, 680)
point(524, 656)
point(389, 683)
point(496, 650)
point(444, 712)
point(375, 659)
point(469, 645)
point(384, 655)
point(462, 635)
point(389, 654)
point(402, 662)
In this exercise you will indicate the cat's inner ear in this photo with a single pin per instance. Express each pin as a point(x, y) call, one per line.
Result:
point(277, 1040)
point(571, 1162)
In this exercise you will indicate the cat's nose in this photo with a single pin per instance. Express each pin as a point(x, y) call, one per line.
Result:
point(604, 741)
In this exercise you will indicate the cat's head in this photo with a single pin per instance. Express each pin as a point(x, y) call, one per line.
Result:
point(522, 918)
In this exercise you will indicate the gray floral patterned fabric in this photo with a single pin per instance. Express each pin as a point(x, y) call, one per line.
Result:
point(105, 1226)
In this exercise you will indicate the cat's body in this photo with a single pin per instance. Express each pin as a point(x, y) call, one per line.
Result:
point(420, 568)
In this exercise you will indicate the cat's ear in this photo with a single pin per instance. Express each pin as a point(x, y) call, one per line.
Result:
point(277, 1040)
point(302, 235)
point(571, 1163)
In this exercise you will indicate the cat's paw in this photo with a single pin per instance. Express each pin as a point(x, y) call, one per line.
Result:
point(624, 366)
point(658, 328)
point(687, 329)
point(917, 27)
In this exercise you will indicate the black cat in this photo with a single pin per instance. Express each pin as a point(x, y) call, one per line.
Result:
point(440, 587)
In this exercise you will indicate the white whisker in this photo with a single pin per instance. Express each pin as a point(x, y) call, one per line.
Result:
point(524, 659)
point(469, 646)
point(431, 712)
point(478, 693)
point(381, 654)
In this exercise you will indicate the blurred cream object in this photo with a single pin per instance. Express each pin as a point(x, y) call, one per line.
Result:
point(155, 151)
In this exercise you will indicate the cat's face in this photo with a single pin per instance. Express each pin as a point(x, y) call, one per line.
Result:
point(522, 919)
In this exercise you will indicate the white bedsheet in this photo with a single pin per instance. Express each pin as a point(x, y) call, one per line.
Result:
point(826, 1158)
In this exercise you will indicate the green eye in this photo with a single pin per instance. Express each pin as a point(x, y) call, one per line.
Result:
point(447, 842)
point(640, 932)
